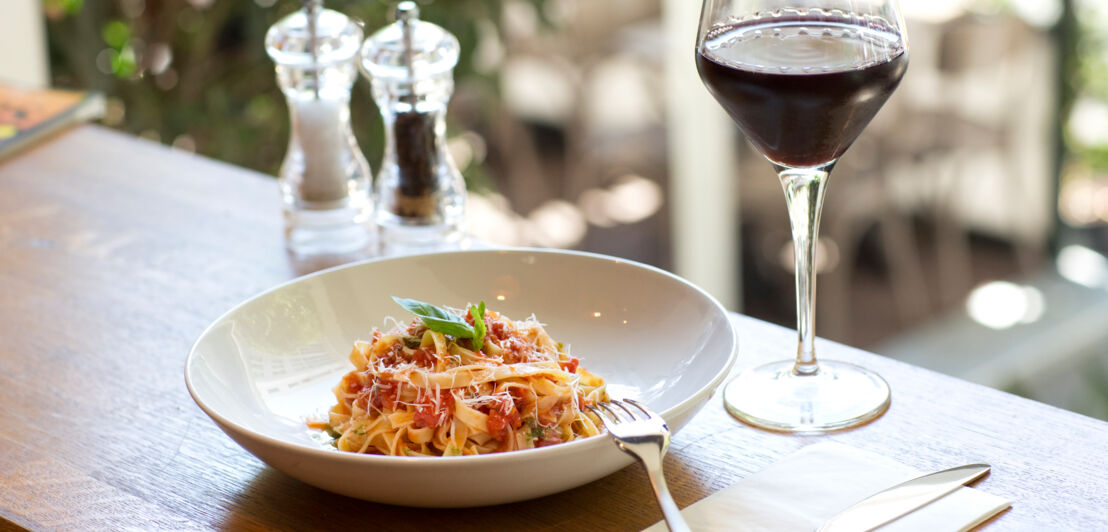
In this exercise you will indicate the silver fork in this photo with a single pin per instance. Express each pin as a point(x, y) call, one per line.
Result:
point(645, 436)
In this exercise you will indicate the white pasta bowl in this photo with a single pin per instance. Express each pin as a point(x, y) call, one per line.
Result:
point(269, 364)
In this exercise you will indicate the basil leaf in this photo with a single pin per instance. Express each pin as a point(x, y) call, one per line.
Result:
point(427, 310)
point(455, 329)
point(478, 313)
point(437, 319)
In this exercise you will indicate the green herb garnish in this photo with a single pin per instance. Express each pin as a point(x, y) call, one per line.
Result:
point(478, 313)
point(537, 432)
point(446, 322)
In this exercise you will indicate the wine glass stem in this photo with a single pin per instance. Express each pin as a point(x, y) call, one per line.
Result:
point(804, 191)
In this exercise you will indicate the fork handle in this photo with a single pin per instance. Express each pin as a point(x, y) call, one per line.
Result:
point(672, 513)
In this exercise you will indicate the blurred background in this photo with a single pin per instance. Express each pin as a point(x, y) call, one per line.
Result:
point(965, 231)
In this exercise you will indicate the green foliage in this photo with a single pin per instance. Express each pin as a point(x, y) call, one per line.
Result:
point(63, 6)
point(1096, 157)
point(217, 86)
point(117, 34)
point(1086, 71)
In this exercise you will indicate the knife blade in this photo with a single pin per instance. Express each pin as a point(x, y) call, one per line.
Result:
point(903, 498)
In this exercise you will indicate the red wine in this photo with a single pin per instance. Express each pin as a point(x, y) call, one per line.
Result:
point(802, 88)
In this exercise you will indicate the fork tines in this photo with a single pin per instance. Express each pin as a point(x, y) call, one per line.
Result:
point(613, 415)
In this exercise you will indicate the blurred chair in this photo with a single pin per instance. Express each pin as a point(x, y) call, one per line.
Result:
point(590, 104)
point(992, 154)
point(964, 145)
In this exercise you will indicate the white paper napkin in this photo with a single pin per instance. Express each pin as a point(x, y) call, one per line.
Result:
point(808, 487)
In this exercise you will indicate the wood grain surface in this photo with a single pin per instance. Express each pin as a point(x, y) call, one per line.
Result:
point(115, 253)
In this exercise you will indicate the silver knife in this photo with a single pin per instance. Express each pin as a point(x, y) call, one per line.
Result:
point(903, 498)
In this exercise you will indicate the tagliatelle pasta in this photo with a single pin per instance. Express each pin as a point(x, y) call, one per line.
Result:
point(416, 391)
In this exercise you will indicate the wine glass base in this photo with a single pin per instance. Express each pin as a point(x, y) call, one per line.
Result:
point(840, 395)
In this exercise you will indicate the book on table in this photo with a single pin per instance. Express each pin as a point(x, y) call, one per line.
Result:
point(30, 114)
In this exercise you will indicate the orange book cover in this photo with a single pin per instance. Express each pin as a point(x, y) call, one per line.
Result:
point(27, 115)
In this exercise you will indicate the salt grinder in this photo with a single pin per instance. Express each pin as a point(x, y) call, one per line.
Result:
point(324, 178)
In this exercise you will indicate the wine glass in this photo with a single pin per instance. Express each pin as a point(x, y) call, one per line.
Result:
point(802, 79)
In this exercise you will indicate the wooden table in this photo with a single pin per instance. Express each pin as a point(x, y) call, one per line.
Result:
point(115, 253)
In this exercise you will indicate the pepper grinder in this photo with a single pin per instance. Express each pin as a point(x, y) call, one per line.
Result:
point(324, 178)
point(419, 194)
